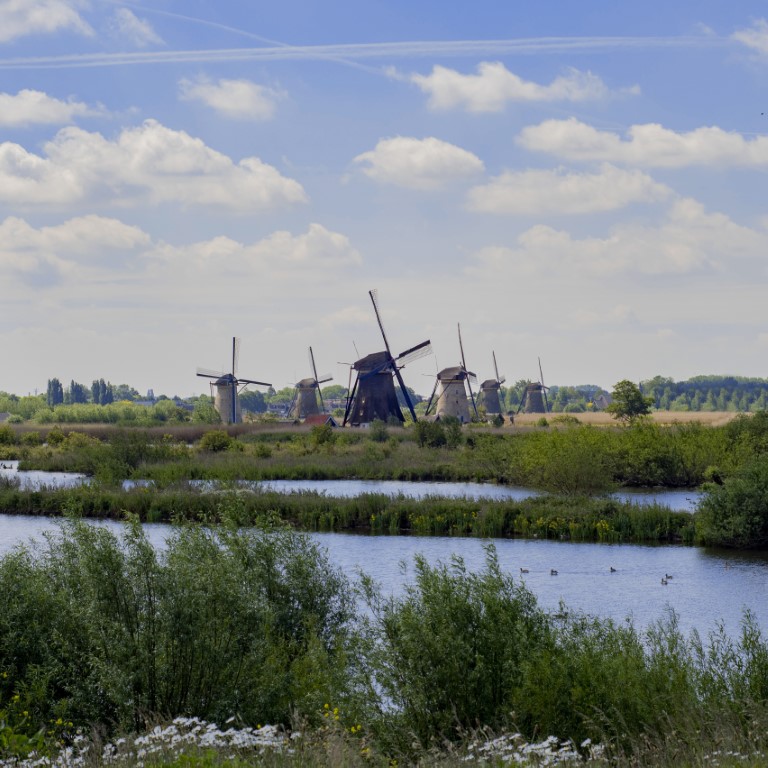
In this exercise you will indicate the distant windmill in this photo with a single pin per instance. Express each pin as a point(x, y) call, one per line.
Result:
point(307, 391)
point(373, 395)
point(451, 393)
point(489, 391)
point(227, 386)
point(534, 398)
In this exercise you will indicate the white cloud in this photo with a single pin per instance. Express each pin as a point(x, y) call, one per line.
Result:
point(236, 99)
point(559, 192)
point(756, 37)
point(280, 254)
point(689, 240)
point(29, 107)
point(149, 163)
point(494, 86)
point(418, 163)
point(47, 253)
point(19, 18)
point(650, 144)
point(139, 32)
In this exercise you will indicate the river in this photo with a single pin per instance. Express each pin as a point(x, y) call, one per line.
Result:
point(705, 587)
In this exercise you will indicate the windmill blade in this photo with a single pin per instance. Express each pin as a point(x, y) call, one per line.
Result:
point(235, 355)
point(541, 374)
point(325, 377)
point(209, 373)
point(502, 379)
point(471, 393)
point(461, 347)
point(312, 363)
point(415, 353)
point(350, 399)
point(495, 367)
point(472, 377)
point(431, 397)
point(373, 295)
point(253, 381)
point(293, 401)
point(404, 390)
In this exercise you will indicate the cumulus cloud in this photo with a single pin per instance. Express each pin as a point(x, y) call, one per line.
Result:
point(19, 18)
point(494, 86)
point(418, 163)
point(236, 99)
point(138, 32)
point(45, 254)
point(559, 192)
point(650, 144)
point(28, 107)
point(689, 240)
point(755, 37)
point(149, 163)
point(281, 253)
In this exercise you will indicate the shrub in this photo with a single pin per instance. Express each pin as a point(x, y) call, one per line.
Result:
point(735, 513)
point(216, 440)
point(7, 435)
point(99, 630)
point(378, 431)
point(450, 652)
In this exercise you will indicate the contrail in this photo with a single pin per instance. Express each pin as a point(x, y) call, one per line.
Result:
point(357, 51)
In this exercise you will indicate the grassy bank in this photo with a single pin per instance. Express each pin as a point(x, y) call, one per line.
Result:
point(566, 457)
point(250, 627)
point(556, 517)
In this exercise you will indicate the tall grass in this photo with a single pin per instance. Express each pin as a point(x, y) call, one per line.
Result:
point(553, 517)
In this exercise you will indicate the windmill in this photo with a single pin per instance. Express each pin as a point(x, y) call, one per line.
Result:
point(451, 393)
point(307, 391)
point(373, 395)
point(489, 391)
point(227, 386)
point(534, 398)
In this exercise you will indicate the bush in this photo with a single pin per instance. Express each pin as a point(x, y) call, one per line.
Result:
point(735, 513)
point(378, 431)
point(449, 653)
point(7, 436)
point(216, 440)
point(98, 630)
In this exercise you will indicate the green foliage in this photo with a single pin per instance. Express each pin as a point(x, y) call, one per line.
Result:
point(429, 434)
point(216, 440)
point(629, 404)
point(450, 653)
point(378, 431)
point(103, 631)
point(735, 513)
point(322, 434)
point(568, 461)
point(7, 435)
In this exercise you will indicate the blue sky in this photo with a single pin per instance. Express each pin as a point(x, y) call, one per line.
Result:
point(583, 183)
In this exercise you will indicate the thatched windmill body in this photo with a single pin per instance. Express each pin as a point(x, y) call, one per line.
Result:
point(449, 395)
point(489, 391)
point(534, 398)
point(225, 387)
point(373, 395)
point(307, 392)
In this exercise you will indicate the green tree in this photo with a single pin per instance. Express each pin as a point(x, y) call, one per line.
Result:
point(629, 403)
point(55, 392)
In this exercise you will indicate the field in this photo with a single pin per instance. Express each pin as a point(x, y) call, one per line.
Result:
point(603, 419)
